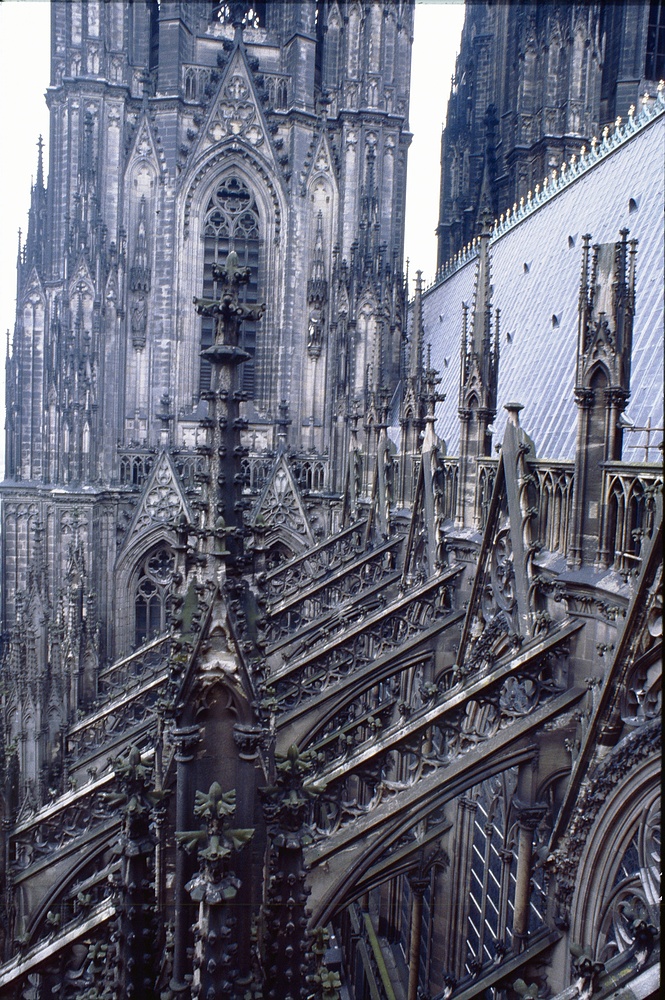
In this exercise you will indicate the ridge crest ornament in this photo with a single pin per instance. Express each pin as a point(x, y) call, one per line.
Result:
point(162, 502)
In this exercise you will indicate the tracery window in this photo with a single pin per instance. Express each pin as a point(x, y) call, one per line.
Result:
point(151, 599)
point(231, 223)
point(493, 874)
point(635, 889)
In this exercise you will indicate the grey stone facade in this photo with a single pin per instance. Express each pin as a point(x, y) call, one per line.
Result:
point(332, 628)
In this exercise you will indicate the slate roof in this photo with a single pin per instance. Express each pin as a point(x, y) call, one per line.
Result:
point(537, 359)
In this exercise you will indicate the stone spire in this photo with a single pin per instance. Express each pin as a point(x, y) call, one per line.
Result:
point(479, 375)
point(602, 383)
point(417, 331)
point(480, 351)
point(317, 294)
point(215, 887)
point(220, 431)
point(33, 253)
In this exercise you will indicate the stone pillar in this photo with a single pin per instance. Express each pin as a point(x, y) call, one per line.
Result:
point(528, 819)
point(186, 742)
point(584, 400)
point(615, 402)
point(461, 885)
point(506, 855)
point(463, 475)
point(418, 885)
point(247, 738)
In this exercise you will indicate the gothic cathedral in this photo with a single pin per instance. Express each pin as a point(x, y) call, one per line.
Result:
point(331, 622)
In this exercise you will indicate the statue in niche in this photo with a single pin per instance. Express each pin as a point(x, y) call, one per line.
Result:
point(315, 333)
point(388, 474)
point(139, 321)
point(357, 473)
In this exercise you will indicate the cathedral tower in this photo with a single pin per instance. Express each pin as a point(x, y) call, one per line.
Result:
point(181, 132)
point(533, 83)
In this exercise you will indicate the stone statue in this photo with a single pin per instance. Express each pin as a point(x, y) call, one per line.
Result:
point(139, 321)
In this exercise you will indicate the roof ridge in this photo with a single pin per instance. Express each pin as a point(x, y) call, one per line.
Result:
point(561, 178)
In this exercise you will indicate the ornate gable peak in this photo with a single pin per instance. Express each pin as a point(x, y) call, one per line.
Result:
point(81, 275)
point(235, 114)
point(111, 292)
point(334, 15)
point(320, 160)
point(281, 506)
point(145, 145)
point(162, 502)
point(33, 285)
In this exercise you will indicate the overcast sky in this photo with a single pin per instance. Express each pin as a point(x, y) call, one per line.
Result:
point(24, 77)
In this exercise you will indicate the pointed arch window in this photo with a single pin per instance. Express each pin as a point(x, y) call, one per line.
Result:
point(151, 598)
point(493, 874)
point(232, 223)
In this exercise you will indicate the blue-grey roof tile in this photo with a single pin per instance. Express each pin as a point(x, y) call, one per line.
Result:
point(537, 365)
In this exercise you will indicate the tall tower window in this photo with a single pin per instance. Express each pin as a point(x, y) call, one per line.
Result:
point(151, 602)
point(231, 223)
point(654, 68)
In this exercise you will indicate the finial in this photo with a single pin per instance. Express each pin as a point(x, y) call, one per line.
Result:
point(40, 162)
point(631, 111)
point(514, 412)
point(283, 421)
point(237, 18)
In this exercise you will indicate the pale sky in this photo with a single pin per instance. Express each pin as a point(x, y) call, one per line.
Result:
point(24, 77)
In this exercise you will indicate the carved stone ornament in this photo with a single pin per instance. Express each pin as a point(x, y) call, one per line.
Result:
point(236, 114)
point(315, 334)
point(162, 502)
point(503, 573)
point(139, 319)
point(564, 861)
